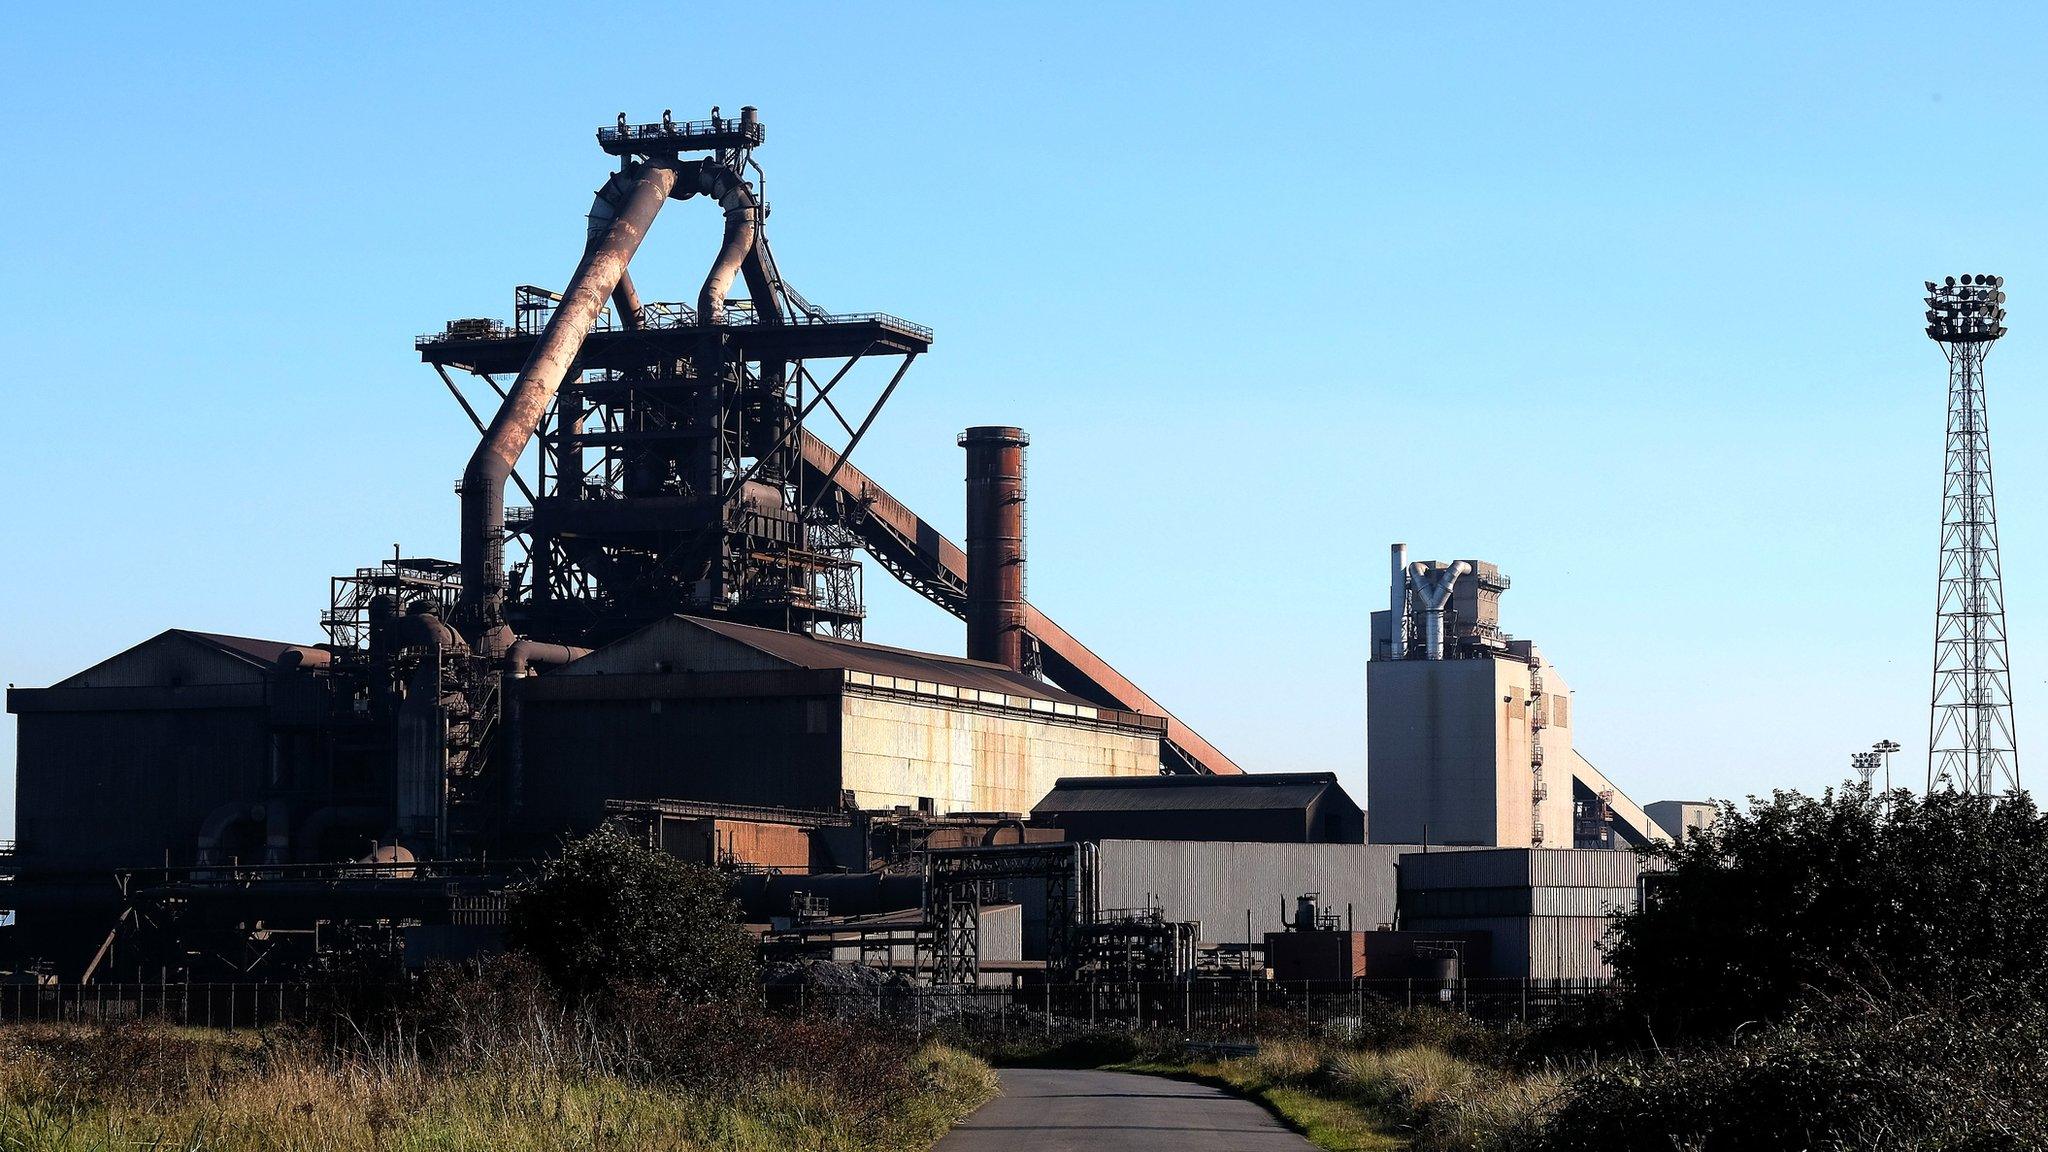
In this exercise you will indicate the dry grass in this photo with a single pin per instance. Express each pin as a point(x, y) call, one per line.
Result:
point(1415, 1096)
point(66, 1088)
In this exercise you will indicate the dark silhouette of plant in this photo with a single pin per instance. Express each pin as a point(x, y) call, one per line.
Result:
point(610, 913)
point(1944, 897)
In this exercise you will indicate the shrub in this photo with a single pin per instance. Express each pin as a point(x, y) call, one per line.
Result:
point(1831, 1079)
point(610, 912)
point(1942, 896)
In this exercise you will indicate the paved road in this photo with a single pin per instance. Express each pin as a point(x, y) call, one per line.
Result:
point(1050, 1110)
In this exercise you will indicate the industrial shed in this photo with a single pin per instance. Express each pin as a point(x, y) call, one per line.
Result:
point(1241, 891)
point(696, 709)
point(1545, 908)
point(1273, 807)
point(160, 749)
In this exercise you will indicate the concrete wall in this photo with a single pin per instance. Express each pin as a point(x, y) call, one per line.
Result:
point(1433, 745)
point(898, 749)
point(1682, 819)
point(1218, 882)
point(1448, 753)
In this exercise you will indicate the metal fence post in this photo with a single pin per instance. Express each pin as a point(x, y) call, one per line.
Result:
point(1048, 1004)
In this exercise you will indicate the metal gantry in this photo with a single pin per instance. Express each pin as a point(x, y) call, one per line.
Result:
point(1972, 743)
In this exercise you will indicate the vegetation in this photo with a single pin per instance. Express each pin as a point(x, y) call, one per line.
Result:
point(630, 1019)
point(1426, 1079)
point(610, 912)
point(1847, 973)
point(1852, 1075)
point(1944, 898)
point(500, 1064)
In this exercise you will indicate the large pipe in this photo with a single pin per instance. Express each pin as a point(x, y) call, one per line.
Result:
point(995, 544)
point(741, 252)
point(1433, 590)
point(1397, 607)
point(525, 655)
point(483, 482)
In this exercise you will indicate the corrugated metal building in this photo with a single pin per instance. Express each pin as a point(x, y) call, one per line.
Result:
point(1277, 807)
point(1219, 883)
point(1546, 908)
point(696, 709)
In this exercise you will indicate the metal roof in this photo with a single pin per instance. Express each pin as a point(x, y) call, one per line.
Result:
point(1187, 793)
point(263, 652)
point(816, 652)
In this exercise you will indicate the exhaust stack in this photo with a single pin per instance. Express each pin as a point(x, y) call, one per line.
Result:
point(1433, 589)
point(995, 544)
point(1397, 607)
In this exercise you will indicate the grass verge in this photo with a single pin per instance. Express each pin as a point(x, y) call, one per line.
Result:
point(1363, 1100)
point(77, 1089)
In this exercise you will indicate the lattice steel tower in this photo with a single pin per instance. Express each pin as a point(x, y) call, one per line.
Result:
point(1972, 745)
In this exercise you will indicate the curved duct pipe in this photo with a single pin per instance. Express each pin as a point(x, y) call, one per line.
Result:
point(309, 659)
point(483, 482)
point(520, 660)
point(1433, 589)
point(524, 655)
point(738, 251)
point(421, 630)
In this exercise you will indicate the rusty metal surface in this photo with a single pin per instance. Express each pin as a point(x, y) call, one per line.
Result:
point(995, 545)
point(483, 483)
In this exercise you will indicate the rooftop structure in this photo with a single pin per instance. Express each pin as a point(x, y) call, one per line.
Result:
point(1272, 807)
point(1469, 731)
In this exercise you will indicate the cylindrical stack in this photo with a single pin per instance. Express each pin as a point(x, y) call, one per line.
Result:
point(995, 544)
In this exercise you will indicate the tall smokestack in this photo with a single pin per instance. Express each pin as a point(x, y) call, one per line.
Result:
point(1397, 607)
point(995, 544)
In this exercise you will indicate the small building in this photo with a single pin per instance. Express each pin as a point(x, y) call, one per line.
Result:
point(1241, 891)
point(1266, 807)
point(1544, 910)
point(1683, 819)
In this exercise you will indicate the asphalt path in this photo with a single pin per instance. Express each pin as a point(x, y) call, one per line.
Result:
point(1051, 1109)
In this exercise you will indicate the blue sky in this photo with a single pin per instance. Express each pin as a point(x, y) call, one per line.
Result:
point(1623, 299)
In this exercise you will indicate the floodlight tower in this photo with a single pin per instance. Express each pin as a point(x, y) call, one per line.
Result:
point(1972, 743)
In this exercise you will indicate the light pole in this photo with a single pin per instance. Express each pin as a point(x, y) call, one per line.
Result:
point(1885, 748)
point(1865, 764)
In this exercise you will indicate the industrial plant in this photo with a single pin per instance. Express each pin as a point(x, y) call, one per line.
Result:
point(657, 623)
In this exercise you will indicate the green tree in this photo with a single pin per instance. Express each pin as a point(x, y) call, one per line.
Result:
point(1945, 897)
point(610, 912)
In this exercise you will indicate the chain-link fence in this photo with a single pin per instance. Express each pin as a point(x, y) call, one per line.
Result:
point(1210, 1008)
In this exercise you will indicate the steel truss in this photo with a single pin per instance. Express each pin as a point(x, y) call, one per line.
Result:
point(1972, 744)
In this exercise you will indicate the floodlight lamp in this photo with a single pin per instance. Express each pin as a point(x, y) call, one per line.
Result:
point(1950, 281)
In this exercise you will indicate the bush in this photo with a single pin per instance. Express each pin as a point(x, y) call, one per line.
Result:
point(1943, 897)
point(1834, 1079)
point(610, 912)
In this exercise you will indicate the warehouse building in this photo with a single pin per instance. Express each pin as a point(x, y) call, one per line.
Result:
point(1544, 910)
point(1275, 807)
